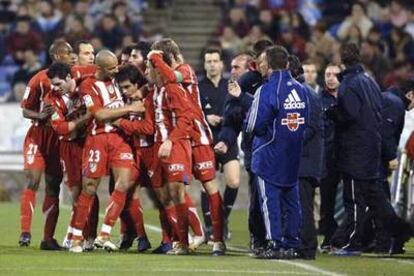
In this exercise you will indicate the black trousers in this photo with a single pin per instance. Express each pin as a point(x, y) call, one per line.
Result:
point(359, 194)
point(328, 190)
point(256, 224)
point(308, 234)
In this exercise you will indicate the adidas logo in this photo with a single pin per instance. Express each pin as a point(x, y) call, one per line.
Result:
point(293, 101)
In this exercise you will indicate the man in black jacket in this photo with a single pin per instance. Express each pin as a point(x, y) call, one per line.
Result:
point(359, 146)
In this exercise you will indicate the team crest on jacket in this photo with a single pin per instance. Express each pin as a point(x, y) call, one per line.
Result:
point(293, 121)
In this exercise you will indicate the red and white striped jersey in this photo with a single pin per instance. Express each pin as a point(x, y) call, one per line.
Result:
point(173, 113)
point(185, 76)
point(67, 108)
point(97, 95)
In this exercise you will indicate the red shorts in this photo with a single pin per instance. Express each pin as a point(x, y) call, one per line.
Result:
point(145, 161)
point(41, 150)
point(176, 168)
point(71, 161)
point(105, 151)
point(204, 163)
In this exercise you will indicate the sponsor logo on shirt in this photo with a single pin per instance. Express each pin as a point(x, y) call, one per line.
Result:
point(293, 101)
point(293, 121)
point(203, 165)
point(126, 156)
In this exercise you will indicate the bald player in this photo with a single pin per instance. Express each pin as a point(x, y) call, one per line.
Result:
point(41, 153)
point(105, 148)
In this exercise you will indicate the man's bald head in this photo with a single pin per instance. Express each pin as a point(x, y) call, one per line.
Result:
point(240, 65)
point(107, 63)
point(60, 51)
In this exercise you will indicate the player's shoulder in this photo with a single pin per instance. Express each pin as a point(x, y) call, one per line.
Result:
point(39, 77)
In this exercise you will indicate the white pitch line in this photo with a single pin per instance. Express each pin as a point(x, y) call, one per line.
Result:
point(398, 261)
point(307, 267)
point(166, 270)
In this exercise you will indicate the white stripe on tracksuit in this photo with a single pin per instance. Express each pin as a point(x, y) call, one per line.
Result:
point(355, 215)
point(265, 211)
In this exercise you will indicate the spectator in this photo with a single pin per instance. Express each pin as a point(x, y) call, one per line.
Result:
point(255, 34)
point(268, 24)
point(353, 35)
point(75, 30)
point(400, 45)
point(237, 19)
point(292, 42)
point(23, 38)
point(375, 61)
point(81, 11)
point(358, 18)
point(17, 92)
point(229, 41)
point(323, 40)
point(398, 14)
point(29, 68)
point(125, 21)
point(310, 73)
point(110, 33)
point(49, 21)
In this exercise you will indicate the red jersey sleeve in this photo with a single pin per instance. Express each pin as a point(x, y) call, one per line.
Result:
point(90, 96)
point(82, 72)
point(58, 120)
point(165, 71)
point(143, 127)
point(180, 106)
point(32, 94)
point(186, 73)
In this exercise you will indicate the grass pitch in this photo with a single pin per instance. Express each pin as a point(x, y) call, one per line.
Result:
point(15, 260)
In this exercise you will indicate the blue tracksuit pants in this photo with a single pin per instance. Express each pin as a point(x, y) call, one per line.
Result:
point(281, 211)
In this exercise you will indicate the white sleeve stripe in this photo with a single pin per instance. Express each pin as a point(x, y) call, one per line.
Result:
point(254, 110)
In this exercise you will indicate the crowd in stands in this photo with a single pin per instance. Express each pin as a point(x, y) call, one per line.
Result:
point(315, 29)
point(27, 28)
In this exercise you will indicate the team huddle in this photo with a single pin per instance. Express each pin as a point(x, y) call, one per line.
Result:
point(140, 122)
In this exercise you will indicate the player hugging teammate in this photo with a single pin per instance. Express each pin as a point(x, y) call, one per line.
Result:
point(134, 121)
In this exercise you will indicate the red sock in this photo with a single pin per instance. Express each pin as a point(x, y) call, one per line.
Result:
point(182, 221)
point(165, 226)
point(114, 209)
point(27, 206)
point(216, 211)
point(92, 222)
point(193, 218)
point(51, 212)
point(135, 212)
point(173, 221)
point(83, 206)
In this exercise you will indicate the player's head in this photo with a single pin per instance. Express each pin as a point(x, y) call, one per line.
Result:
point(107, 64)
point(260, 46)
point(310, 72)
point(277, 57)
point(61, 51)
point(125, 53)
point(59, 74)
point(350, 54)
point(240, 65)
point(407, 88)
point(295, 66)
point(170, 49)
point(213, 62)
point(139, 53)
point(85, 52)
point(331, 76)
point(130, 79)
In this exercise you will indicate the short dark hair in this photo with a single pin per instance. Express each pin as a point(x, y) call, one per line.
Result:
point(260, 46)
point(142, 46)
point(350, 54)
point(277, 57)
point(295, 66)
point(127, 49)
point(213, 50)
point(76, 46)
point(131, 73)
point(406, 85)
point(58, 69)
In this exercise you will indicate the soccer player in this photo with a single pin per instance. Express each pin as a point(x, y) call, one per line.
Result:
point(172, 152)
point(202, 152)
point(85, 52)
point(141, 128)
point(277, 120)
point(105, 148)
point(68, 122)
point(41, 153)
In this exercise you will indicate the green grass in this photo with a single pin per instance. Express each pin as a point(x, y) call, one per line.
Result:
point(31, 261)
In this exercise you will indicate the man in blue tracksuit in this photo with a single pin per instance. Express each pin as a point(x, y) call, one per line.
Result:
point(277, 120)
point(237, 105)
